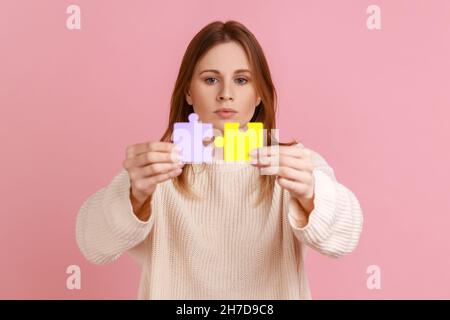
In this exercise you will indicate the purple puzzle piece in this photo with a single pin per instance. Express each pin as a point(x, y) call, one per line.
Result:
point(189, 136)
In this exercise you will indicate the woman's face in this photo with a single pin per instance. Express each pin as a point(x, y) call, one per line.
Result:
point(222, 88)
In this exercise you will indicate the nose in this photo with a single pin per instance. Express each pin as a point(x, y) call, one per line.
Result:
point(225, 93)
point(225, 97)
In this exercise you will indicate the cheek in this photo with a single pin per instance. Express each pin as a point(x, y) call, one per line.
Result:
point(204, 102)
point(204, 97)
point(249, 102)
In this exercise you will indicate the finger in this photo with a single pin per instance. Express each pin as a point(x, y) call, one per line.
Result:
point(265, 161)
point(266, 151)
point(153, 157)
point(136, 149)
point(154, 169)
point(295, 186)
point(286, 183)
point(269, 170)
point(288, 173)
point(264, 155)
point(158, 146)
point(296, 163)
point(293, 151)
point(295, 175)
point(285, 161)
point(162, 177)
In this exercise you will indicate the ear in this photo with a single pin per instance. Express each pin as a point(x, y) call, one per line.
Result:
point(258, 101)
point(188, 98)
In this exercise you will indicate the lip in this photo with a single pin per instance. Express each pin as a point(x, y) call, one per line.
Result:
point(225, 113)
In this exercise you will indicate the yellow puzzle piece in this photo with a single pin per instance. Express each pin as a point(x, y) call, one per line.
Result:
point(236, 143)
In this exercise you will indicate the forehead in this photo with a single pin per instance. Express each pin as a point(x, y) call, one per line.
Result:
point(224, 57)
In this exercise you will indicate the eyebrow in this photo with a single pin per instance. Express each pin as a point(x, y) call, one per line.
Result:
point(218, 72)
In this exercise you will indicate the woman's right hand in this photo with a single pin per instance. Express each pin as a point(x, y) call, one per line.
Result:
point(148, 164)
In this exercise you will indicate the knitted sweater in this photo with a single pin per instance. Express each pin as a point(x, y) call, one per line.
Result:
point(222, 246)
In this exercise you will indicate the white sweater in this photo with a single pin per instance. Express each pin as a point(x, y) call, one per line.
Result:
point(220, 247)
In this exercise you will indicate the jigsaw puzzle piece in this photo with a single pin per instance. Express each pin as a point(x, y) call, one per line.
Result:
point(189, 137)
point(237, 144)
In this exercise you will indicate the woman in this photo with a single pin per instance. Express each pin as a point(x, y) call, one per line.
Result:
point(221, 230)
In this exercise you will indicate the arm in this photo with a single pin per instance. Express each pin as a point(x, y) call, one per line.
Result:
point(106, 224)
point(334, 225)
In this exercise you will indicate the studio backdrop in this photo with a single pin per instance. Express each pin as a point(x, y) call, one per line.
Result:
point(364, 83)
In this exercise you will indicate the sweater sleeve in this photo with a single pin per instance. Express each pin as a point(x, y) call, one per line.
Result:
point(335, 224)
point(106, 225)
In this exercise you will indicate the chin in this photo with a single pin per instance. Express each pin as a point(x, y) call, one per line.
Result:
point(218, 127)
point(220, 124)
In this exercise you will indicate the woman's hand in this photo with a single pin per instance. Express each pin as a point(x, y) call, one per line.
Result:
point(294, 169)
point(148, 164)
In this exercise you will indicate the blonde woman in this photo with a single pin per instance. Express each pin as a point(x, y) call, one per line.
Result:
point(221, 230)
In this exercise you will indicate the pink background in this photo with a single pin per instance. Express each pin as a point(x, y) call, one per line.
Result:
point(375, 104)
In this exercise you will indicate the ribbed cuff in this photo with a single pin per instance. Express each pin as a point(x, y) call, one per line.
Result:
point(322, 218)
point(119, 211)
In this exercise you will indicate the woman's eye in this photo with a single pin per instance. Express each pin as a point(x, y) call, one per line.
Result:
point(209, 82)
point(240, 82)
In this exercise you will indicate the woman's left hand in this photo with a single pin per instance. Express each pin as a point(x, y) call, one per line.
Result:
point(294, 169)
